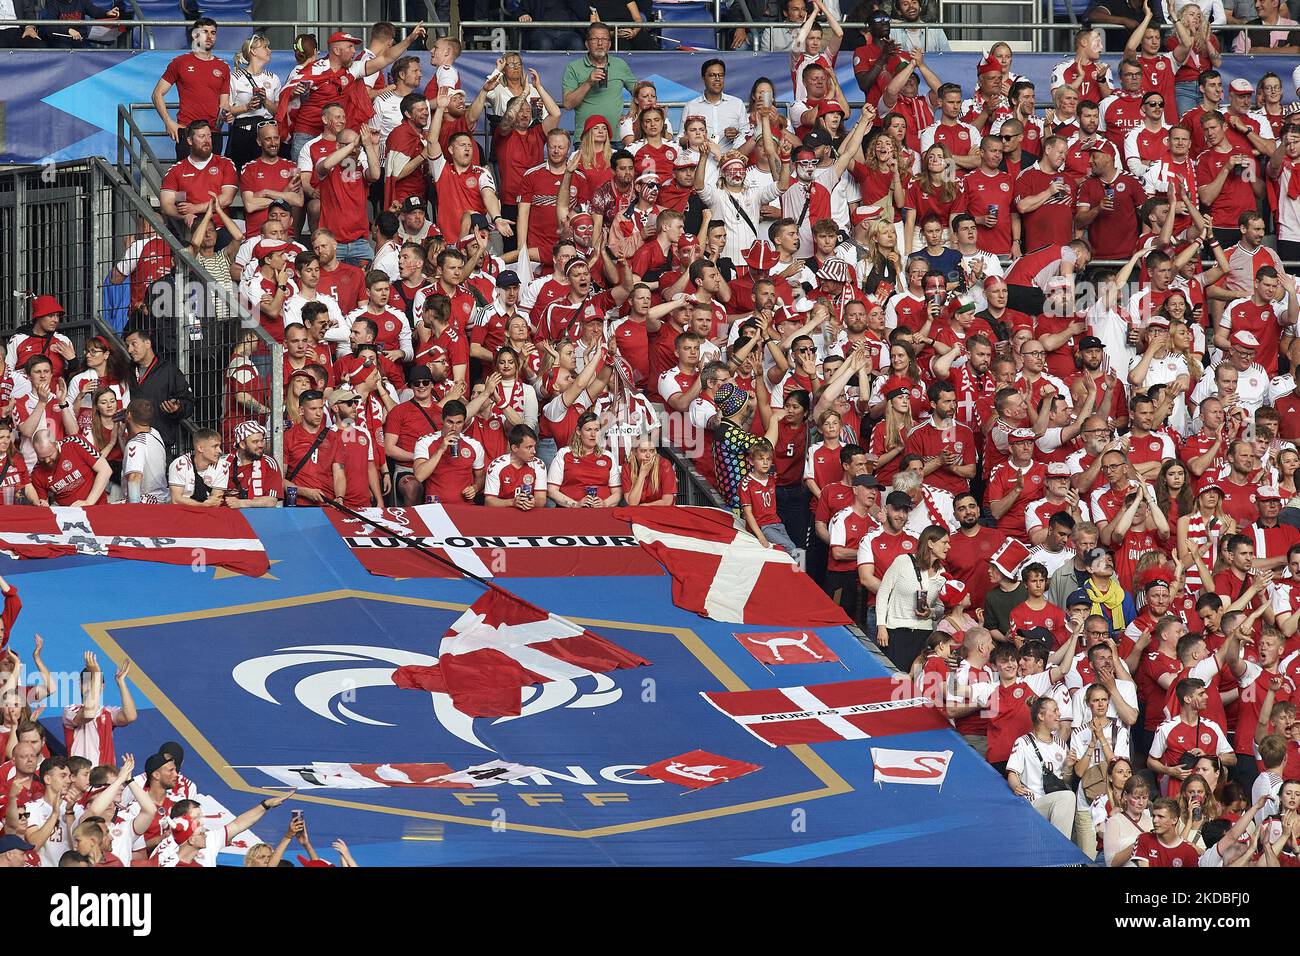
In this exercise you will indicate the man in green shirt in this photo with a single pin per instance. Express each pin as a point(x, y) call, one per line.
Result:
point(593, 86)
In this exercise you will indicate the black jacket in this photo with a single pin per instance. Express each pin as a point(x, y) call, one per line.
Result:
point(164, 381)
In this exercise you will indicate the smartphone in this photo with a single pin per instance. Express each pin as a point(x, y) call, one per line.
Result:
point(296, 816)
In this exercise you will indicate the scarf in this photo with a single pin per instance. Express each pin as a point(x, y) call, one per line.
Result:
point(1112, 601)
point(1293, 185)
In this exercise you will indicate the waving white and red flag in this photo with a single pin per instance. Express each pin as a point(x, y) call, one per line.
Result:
point(814, 714)
point(170, 534)
point(698, 769)
point(500, 645)
point(723, 572)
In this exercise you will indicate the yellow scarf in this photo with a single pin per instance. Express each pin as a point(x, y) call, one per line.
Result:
point(1109, 604)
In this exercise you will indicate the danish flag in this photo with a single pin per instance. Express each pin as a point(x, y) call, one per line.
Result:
point(850, 710)
point(724, 573)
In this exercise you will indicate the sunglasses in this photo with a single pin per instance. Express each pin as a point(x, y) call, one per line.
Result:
point(1159, 104)
point(806, 351)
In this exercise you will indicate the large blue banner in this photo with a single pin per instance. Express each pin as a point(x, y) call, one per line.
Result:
point(64, 106)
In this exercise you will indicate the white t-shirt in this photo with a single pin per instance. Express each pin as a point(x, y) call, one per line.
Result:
point(181, 474)
point(146, 455)
point(1024, 761)
point(38, 811)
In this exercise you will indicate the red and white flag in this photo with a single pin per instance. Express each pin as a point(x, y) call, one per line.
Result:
point(500, 645)
point(493, 542)
point(721, 571)
point(698, 769)
point(171, 534)
point(851, 710)
point(786, 647)
point(925, 767)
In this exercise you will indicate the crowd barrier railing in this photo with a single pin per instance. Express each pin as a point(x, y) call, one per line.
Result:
point(71, 225)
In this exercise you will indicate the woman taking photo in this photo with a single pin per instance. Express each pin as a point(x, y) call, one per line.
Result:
point(907, 594)
point(514, 82)
point(1168, 357)
point(648, 478)
point(1132, 819)
point(254, 93)
point(585, 475)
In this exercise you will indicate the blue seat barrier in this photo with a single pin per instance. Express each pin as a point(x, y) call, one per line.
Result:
point(176, 38)
point(689, 11)
point(66, 106)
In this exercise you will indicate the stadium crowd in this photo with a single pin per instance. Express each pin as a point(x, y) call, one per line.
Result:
point(1018, 392)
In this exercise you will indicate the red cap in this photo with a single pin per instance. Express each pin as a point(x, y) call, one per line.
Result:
point(990, 64)
point(828, 107)
point(435, 354)
point(897, 383)
point(45, 305)
point(760, 256)
point(342, 37)
point(861, 214)
point(1158, 574)
point(1208, 483)
point(593, 122)
point(951, 593)
point(307, 861)
point(268, 246)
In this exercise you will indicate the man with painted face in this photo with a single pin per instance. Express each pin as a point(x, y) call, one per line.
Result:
point(731, 203)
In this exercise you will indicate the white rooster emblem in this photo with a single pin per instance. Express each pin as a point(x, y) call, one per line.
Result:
point(354, 667)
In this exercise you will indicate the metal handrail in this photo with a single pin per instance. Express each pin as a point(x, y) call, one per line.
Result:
point(181, 255)
point(143, 161)
point(319, 27)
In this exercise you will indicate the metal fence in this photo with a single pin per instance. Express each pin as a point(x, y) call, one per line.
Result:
point(507, 33)
point(71, 225)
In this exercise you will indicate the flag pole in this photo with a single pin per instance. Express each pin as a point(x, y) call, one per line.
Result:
point(433, 555)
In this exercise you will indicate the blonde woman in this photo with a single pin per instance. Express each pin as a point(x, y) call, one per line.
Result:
point(1168, 358)
point(886, 447)
point(648, 477)
point(514, 82)
point(881, 179)
point(254, 92)
point(585, 475)
point(299, 382)
point(594, 151)
point(886, 264)
point(644, 96)
point(1204, 52)
point(1201, 530)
